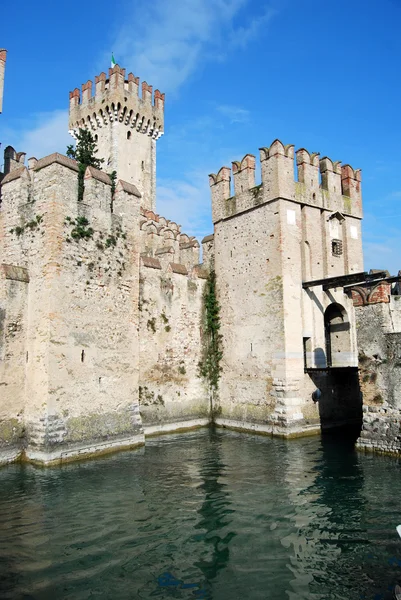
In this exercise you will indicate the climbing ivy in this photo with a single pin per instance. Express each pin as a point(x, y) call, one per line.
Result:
point(209, 366)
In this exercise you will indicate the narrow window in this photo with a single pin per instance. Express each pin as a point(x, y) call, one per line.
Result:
point(95, 137)
point(336, 247)
point(128, 135)
point(143, 165)
point(82, 356)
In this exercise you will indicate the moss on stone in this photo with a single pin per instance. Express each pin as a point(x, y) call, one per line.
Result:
point(93, 427)
point(11, 432)
point(347, 205)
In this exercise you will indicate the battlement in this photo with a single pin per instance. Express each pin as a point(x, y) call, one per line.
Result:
point(164, 240)
point(116, 98)
point(24, 188)
point(321, 182)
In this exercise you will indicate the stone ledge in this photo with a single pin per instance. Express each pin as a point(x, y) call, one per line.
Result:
point(175, 427)
point(78, 452)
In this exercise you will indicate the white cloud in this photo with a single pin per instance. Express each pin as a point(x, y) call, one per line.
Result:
point(186, 203)
point(48, 134)
point(235, 114)
point(174, 39)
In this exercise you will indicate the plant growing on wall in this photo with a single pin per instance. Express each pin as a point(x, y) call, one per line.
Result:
point(84, 153)
point(209, 366)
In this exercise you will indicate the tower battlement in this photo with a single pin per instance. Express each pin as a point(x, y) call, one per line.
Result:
point(321, 182)
point(124, 124)
point(116, 98)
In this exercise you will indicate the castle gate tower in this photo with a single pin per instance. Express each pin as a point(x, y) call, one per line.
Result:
point(3, 56)
point(283, 249)
point(124, 125)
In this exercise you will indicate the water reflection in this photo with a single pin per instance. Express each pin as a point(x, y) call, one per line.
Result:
point(211, 514)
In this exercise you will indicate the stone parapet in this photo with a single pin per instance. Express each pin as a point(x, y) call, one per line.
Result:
point(339, 190)
point(160, 237)
point(116, 98)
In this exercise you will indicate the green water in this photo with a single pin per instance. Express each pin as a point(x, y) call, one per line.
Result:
point(214, 515)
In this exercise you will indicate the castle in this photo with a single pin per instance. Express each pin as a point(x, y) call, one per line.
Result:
point(102, 312)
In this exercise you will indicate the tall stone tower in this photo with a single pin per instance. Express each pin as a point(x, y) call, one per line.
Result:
point(287, 326)
point(3, 56)
point(125, 127)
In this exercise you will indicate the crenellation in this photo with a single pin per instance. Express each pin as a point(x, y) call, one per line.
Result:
point(277, 169)
point(12, 159)
point(189, 253)
point(221, 190)
point(165, 255)
point(116, 78)
point(331, 175)
point(244, 174)
point(100, 84)
point(351, 187)
point(86, 92)
point(208, 251)
point(147, 91)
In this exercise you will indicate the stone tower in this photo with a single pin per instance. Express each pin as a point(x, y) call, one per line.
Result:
point(273, 242)
point(3, 56)
point(124, 125)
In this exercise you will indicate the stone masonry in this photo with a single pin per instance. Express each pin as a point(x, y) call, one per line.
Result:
point(268, 239)
point(378, 319)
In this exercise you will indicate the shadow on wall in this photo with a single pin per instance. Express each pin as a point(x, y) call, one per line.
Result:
point(340, 400)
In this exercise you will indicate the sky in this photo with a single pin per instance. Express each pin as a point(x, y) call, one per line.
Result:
point(237, 74)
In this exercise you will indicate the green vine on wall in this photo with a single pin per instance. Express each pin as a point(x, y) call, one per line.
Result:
point(209, 365)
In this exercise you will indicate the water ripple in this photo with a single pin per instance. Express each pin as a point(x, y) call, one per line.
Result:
point(213, 515)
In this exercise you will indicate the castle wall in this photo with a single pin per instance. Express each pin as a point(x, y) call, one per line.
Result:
point(171, 394)
point(379, 343)
point(268, 239)
point(78, 321)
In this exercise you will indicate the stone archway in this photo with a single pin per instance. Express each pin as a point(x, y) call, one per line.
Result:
point(338, 336)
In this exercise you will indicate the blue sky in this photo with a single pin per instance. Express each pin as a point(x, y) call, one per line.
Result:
point(237, 74)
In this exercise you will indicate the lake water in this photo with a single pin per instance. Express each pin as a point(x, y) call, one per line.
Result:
point(209, 514)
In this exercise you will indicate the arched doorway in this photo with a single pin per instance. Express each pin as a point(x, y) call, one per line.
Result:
point(338, 336)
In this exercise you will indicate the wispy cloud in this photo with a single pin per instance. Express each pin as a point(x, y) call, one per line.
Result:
point(48, 134)
point(175, 39)
point(235, 114)
point(186, 203)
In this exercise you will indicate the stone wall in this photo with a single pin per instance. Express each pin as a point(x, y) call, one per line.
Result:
point(379, 343)
point(171, 394)
point(93, 338)
point(69, 372)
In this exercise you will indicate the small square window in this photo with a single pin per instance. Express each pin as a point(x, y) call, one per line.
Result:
point(336, 247)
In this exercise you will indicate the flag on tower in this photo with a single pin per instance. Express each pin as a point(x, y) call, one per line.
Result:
point(113, 62)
